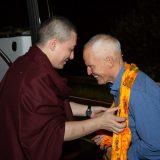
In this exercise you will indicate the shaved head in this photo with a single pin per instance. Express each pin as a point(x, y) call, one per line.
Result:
point(102, 45)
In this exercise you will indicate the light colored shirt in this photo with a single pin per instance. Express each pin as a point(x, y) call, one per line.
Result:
point(144, 116)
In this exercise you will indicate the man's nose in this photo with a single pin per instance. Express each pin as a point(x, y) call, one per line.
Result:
point(71, 56)
point(89, 71)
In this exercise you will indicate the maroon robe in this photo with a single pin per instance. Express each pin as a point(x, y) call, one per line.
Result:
point(34, 107)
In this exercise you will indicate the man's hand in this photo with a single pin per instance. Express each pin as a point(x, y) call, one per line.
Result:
point(98, 139)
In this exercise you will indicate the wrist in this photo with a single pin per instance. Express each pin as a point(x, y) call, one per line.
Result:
point(88, 111)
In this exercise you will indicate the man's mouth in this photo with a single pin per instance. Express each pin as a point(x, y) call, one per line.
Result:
point(66, 60)
point(95, 76)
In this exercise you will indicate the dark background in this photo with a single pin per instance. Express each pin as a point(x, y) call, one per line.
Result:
point(136, 23)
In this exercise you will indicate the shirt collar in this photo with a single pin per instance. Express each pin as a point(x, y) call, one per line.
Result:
point(116, 85)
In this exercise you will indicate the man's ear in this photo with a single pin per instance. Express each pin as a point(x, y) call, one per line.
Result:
point(110, 61)
point(52, 44)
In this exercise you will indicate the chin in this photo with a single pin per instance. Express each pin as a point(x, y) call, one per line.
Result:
point(60, 67)
point(100, 82)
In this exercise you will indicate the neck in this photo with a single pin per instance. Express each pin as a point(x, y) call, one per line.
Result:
point(117, 69)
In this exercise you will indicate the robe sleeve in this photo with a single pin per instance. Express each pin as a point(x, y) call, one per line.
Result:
point(42, 120)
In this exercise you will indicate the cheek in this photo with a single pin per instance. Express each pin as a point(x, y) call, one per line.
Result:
point(65, 54)
point(101, 73)
point(97, 69)
point(62, 56)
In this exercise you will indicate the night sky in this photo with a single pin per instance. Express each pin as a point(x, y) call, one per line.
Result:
point(91, 17)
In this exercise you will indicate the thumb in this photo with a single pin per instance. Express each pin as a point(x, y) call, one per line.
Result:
point(112, 109)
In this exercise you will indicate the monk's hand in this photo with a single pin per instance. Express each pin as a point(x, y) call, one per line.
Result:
point(111, 122)
point(97, 111)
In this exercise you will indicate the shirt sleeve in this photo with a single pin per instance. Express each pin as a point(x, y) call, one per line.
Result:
point(42, 120)
point(144, 123)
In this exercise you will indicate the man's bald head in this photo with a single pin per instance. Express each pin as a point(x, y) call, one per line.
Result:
point(104, 45)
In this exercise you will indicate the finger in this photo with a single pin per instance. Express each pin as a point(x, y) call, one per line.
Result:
point(120, 125)
point(117, 131)
point(120, 119)
point(112, 109)
point(94, 138)
point(118, 128)
point(97, 137)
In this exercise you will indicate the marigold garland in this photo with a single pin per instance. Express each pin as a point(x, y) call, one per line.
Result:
point(120, 142)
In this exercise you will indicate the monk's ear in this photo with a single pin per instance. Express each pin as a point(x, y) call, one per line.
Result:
point(109, 61)
point(52, 44)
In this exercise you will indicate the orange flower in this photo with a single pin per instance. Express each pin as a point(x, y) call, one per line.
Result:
point(107, 141)
point(120, 142)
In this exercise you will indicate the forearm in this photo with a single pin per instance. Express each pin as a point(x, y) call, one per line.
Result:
point(78, 109)
point(107, 121)
point(77, 129)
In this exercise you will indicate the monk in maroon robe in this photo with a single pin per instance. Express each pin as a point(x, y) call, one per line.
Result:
point(33, 120)
point(36, 117)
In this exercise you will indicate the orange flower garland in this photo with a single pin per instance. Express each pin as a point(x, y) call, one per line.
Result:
point(120, 142)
